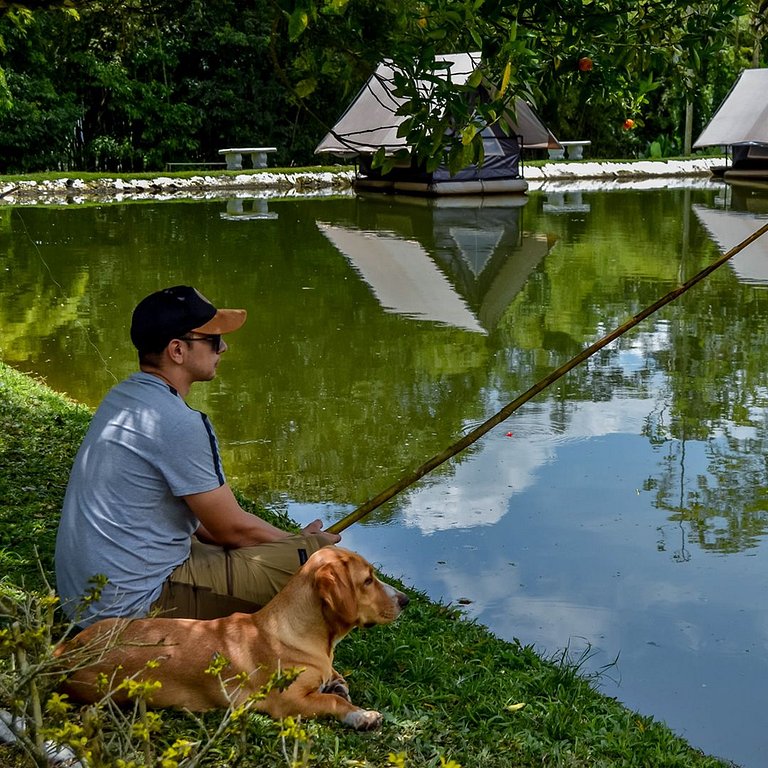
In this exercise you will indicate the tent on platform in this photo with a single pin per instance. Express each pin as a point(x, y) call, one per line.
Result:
point(371, 122)
point(741, 122)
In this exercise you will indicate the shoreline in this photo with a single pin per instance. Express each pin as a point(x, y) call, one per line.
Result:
point(308, 183)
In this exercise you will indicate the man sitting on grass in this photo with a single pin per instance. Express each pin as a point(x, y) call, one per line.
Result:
point(147, 504)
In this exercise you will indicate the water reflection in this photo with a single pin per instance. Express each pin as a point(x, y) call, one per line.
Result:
point(740, 212)
point(565, 202)
point(625, 509)
point(458, 261)
point(254, 209)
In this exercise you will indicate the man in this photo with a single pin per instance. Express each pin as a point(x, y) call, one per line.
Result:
point(147, 505)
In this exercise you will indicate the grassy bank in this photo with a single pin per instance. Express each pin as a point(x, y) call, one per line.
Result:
point(450, 691)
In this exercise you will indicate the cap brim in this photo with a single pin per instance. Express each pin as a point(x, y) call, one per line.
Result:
point(224, 321)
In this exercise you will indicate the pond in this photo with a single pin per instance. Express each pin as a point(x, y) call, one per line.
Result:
point(619, 517)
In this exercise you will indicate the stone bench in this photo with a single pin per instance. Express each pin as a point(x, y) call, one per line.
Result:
point(575, 150)
point(234, 156)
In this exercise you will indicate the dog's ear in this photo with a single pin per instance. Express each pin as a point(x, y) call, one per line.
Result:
point(335, 588)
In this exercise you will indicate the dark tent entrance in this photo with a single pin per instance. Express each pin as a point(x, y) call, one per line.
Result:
point(500, 171)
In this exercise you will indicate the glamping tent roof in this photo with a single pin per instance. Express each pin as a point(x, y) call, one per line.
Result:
point(742, 118)
point(371, 122)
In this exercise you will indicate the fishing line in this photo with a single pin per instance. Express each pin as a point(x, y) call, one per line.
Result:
point(510, 408)
point(63, 292)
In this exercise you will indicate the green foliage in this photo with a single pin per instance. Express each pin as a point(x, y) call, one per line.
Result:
point(145, 86)
point(131, 85)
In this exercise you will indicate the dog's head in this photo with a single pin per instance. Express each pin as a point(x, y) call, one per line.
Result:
point(350, 592)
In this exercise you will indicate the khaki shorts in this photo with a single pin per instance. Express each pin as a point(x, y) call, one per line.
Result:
point(216, 582)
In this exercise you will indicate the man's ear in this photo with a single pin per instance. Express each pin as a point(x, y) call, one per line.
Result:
point(175, 350)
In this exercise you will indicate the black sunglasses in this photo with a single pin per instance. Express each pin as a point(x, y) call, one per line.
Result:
point(214, 339)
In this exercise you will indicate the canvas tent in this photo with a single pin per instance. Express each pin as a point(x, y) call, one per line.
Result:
point(370, 122)
point(741, 122)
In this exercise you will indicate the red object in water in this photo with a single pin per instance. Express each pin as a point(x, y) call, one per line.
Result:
point(510, 434)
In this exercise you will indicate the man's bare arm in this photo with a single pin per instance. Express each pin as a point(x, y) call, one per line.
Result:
point(224, 522)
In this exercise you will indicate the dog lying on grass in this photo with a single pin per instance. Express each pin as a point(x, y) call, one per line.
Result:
point(334, 591)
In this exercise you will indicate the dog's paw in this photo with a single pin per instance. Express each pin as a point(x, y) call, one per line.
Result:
point(363, 720)
point(337, 686)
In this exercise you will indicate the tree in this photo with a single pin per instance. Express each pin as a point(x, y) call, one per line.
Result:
point(147, 82)
point(582, 63)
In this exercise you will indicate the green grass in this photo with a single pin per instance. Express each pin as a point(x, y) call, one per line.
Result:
point(449, 689)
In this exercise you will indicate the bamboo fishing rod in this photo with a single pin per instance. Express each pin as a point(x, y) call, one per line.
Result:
point(541, 385)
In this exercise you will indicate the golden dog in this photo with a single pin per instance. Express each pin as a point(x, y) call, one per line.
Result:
point(334, 591)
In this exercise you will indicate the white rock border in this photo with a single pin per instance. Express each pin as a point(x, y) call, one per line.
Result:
point(268, 184)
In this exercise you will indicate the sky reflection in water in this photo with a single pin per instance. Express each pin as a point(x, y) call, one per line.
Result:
point(555, 543)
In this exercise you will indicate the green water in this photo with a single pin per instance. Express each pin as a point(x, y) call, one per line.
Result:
point(381, 330)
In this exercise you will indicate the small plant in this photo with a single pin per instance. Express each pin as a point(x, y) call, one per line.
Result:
point(26, 621)
point(44, 722)
point(663, 146)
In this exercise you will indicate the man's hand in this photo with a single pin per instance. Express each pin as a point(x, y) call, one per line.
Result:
point(315, 528)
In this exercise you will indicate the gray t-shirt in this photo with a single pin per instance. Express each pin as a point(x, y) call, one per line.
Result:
point(122, 515)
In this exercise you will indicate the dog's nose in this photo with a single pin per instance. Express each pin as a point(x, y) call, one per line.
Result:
point(403, 599)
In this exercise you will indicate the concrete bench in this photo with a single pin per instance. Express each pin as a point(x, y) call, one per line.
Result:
point(575, 150)
point(234, 156)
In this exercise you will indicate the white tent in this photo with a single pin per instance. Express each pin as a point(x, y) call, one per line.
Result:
point(742, 118)
point(371, 122)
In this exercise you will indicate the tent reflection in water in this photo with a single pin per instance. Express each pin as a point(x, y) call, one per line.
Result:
point(741, 122)
point(445, 261)
point(728, 229)
point(370, 123)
